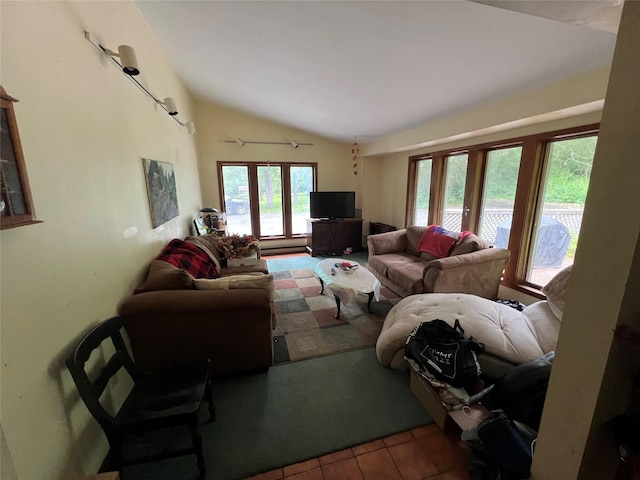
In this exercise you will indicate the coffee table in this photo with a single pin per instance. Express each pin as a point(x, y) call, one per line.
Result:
point(346, 285)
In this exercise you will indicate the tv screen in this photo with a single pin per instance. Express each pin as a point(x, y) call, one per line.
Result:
point(332, 204)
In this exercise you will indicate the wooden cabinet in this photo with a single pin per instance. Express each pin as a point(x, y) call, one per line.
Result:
point(333, 236)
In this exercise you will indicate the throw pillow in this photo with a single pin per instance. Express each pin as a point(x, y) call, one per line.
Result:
point(164, 276)
point(556, 291)
point(265, 282)
point(470, 243)
point(190, 258)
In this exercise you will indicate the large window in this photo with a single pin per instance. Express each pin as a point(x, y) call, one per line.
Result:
point(526, 194)
point(269, 200)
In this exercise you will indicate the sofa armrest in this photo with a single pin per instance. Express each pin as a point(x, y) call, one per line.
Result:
point(476, 273)
point(232, 328)
point(387, 242)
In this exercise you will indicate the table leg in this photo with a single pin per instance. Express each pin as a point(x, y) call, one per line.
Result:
point(322, 286)
point(337, 317)
point(369, 302)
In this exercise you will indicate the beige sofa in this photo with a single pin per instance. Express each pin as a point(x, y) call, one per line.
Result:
point(173, 318)
point(472, 266)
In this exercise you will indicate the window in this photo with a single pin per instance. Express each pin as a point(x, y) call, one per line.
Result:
point(559, 215)
point(526, 194)
point(16, 204)
point(269, 200)
point(423, 186)
point(455, 179)
point(499, 195)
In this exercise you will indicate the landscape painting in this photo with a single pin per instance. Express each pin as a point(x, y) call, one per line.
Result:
point(161, 188)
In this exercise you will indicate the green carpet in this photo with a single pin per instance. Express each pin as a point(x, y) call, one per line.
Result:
point(297, 411)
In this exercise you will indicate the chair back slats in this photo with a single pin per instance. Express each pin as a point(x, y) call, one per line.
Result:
point(113, 365)
point(155, 400)
point(89, 390)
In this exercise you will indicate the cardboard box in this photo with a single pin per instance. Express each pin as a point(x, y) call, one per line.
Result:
point(243, 262)
point(445, 419)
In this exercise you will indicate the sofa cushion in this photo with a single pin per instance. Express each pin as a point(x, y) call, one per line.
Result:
point(409, 276)
point(470, 243)
point(265, 282)
point(164, 276)
point(382, 263)
point(414, 235)
point(189, 257)
point(556, 291)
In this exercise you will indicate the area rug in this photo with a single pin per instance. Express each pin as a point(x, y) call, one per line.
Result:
point(294, 412)
point(306, 323)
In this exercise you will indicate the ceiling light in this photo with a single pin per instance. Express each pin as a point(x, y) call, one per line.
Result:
point(239, 142)
point(294, 144)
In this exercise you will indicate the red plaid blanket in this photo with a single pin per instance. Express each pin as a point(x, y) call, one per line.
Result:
point(189, 257)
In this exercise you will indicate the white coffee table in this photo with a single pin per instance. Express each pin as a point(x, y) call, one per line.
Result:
point(346, 285)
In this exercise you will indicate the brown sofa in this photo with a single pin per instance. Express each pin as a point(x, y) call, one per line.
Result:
point(174, 319)
point(471, 267)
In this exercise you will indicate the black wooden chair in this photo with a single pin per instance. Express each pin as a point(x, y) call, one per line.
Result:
point(156, 401)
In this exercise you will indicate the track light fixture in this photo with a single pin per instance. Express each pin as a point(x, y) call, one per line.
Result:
point(169, 105)
point(128, 60)
point(129, 65)
point(242, 143)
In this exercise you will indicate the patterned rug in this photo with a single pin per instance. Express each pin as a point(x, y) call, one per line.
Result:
point(306, 325)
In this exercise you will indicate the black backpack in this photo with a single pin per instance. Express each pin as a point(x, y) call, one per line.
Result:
point(442, 350)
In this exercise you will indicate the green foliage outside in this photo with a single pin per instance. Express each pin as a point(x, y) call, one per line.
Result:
point(568, 173)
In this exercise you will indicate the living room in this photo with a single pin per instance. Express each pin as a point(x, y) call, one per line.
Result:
point(84, 131)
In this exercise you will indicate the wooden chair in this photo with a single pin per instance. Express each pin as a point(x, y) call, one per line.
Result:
point(156, 401)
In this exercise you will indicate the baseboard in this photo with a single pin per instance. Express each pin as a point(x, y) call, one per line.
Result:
point(264, 252)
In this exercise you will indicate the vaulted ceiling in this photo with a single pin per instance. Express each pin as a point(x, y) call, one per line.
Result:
point(369, 69)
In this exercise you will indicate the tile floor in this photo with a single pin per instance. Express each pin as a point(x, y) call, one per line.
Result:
point(419, 454)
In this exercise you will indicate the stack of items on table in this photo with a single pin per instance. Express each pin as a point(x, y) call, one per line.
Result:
point(190, 308)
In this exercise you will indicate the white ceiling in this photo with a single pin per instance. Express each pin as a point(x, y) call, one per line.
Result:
point(368, 69)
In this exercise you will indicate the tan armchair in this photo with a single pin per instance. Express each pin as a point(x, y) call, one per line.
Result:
point(472, 267)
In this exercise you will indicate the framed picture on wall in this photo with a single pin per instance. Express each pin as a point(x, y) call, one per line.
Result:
point(161, 189)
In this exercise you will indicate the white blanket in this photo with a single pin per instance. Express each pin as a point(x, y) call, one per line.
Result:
point(517, 337)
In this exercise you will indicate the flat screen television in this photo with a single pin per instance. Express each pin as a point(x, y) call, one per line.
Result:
point(332, 205)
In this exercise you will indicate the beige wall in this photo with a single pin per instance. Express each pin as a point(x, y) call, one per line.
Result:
point(215, 123)
point(84, 129)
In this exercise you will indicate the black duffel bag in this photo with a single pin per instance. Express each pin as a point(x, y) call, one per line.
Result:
point(444, 352)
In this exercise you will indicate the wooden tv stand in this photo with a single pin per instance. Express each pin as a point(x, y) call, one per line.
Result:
point(333, 236)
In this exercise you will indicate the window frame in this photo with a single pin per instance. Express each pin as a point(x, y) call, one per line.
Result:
point(12, 220)
point(534, 158)
point(254, 197)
